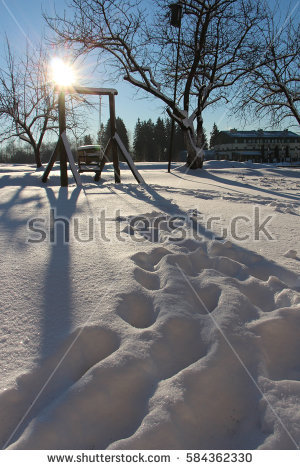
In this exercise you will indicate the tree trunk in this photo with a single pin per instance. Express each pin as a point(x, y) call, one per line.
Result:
point(200, 133)
point(195, 153)
point(37, 155)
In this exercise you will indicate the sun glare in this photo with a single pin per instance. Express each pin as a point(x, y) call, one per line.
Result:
point(63, 74)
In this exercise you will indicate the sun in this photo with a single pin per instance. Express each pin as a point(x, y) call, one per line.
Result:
point(63, 74)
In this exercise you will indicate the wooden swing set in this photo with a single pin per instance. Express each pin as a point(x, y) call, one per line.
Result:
point(63, 151)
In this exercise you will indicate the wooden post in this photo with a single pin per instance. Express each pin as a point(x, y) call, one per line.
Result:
point(51, 162)
point(113, 130)
point(62, 129)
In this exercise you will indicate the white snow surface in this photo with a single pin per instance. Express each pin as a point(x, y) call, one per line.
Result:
point(138, 341)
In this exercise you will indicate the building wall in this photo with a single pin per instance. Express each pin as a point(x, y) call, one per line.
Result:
point(280, 147)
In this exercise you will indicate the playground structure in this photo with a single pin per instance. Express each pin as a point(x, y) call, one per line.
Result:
point(63, 151)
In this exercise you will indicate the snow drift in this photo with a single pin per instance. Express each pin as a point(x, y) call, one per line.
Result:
point(199, 350)
point(210, 359)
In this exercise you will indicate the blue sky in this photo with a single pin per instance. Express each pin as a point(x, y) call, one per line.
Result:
point(22, 19)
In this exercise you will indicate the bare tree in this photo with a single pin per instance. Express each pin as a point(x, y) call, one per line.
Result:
point(28, 104)
point(141, 44)
point(27, 107)
point(272, 88)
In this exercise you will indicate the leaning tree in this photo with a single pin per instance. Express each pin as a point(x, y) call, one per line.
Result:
point(138, 41)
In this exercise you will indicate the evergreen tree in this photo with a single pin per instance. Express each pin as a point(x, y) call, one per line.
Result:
point(138, 141)
point(87, 140)
point(160, 136)
point(213, 135)
point(178, 140)
point(106, 134)
point(150, 143)
point(121, 130)
point(100, 134)
point(144, 143)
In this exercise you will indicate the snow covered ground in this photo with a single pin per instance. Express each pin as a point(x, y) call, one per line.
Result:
point(170, 319)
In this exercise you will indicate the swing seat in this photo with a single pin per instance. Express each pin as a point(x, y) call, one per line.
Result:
point(89, 158)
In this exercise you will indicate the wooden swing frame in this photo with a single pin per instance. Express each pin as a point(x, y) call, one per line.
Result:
point(63, 151)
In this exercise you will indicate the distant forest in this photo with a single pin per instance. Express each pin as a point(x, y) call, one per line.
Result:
point(150, 143)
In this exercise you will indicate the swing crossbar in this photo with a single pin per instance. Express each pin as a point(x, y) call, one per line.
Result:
point(89, 90)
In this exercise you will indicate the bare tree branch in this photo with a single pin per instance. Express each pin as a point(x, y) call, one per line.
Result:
point(272, 88)
point(140, 44)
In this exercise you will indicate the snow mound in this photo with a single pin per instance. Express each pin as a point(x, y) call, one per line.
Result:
point(190, 357)
point(291, 254)
point(285, 207)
